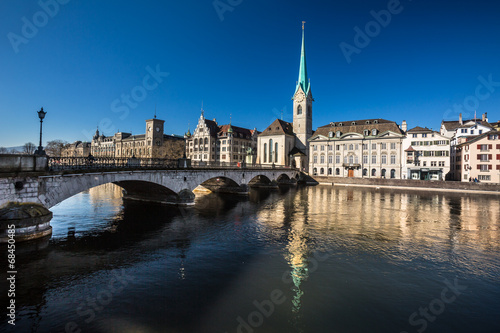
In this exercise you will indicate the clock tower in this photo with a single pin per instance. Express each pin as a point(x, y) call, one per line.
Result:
point(302, 104)
point(154, 135)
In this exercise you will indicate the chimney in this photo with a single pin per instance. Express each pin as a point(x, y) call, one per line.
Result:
point(404, 126)
point(460, 119)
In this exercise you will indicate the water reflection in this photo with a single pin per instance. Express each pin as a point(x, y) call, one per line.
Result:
point(198, 269)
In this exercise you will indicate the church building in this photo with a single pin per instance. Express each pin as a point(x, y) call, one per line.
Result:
point(284, 143)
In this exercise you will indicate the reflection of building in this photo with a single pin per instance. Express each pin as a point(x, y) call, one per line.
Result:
point(153, 144)
point(459, 131)
point(213, 143)
point(427, 155)
point(284, 143)
point(480, 158)
point(76, 149)
point(369, 148)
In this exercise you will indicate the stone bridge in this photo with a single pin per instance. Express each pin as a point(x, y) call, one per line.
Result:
point(27, 193)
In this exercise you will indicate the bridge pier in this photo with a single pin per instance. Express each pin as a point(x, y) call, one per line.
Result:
point(24, 221)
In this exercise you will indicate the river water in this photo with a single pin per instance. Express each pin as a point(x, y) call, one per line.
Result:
point(312, 259)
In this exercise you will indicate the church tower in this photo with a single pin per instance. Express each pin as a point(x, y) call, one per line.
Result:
point(302, 104)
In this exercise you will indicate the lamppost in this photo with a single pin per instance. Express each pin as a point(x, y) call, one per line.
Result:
point(41, 115)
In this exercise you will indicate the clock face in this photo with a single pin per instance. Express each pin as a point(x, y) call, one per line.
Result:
point(299, 97)
point(157, 129)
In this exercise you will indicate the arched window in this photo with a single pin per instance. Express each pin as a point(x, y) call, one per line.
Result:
point(329, 171)
point(265, 152)
point(195, 142)
point(374, 172)
point(206, 141)
point(270, 150)
point(383, 173)
point(299, 109)
point(321, 171)
point(393, 173)
point(337, 171)
point(276, 152)
point(351, 159)
point(365, 172)
point(315, 171)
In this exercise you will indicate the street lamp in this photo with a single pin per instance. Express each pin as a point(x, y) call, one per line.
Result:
point(41, 115)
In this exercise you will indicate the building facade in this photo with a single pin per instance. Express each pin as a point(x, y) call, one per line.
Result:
point(212, 143)
point(370, 148)
point(480, 158)
point(76, 149)
point(460, 131)
point(284, 143)
point(153, 144)
point(426, 155)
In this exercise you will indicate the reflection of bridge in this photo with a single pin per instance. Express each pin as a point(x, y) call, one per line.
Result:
point(168, 181)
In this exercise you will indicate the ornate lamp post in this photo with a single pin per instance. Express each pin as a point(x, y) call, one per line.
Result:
point(41, 115)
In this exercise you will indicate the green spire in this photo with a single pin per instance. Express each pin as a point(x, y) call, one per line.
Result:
point(230, 129)
point(303, 79)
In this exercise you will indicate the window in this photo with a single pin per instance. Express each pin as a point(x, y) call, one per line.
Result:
point(365, 146)
point(424, 163)
point(206, 141)
point(322, 159)
point(270, 150)
point(275, 152)
point(351, 159)
point(299, 109)
point(351, 147)
point(337, 159)
point(393, 145)
point(338, 147)
point(414, 135)
point(393, 173)
point(330, 171)
point(384, 159)
point(433, 163)
point(441, 163)
point(484, 177)
point(374, 146)
point(383, 146)
point(337, 171)
point(321, 171)
point(265, 152)
point(330, 148)
point(315, 148)
point(393, 159)
point(330, 134)
point(330, 159)
point(374, 159)
point(484, 167)
point(338, 134)
point(366, 132)
point(365, 159)
point(424, 135)
point(315, 159)
point(322, 147)
point(365, 172)
point(374, 131)
point(383, 173)
point(374, 172)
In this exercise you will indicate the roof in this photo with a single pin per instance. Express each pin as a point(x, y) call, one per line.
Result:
point(303, 81)
point(278, 127)
point(451, 125)
point(296, 151)
point(419, 129)
point(477, 138)
point(410, 149)
point(359, 126)
point(235, 130)
point(212, 126)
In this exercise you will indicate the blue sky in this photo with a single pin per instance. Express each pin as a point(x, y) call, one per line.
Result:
point(86, 57)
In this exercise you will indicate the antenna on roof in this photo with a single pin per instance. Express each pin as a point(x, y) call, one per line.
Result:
point(155, 110)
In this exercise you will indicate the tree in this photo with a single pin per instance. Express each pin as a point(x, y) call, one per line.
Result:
point(55, 147)
point(29, 148)
point(4, 150)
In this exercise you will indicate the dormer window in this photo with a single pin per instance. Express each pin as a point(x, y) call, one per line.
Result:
point(374, 131)
point(366, 132)
point(340, 124)
point(330, 134)
point(367, 122)
point(375, 121)
point(332, 124)
point(338, 134)
point(353, 123)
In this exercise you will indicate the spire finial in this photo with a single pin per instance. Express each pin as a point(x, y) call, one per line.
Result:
point(202, 111)
point(303, 23)
point(155, 110)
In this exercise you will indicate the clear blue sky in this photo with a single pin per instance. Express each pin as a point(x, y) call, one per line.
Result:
point(84, 57)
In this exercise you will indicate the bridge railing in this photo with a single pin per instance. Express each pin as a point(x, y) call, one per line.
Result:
point(96, 163)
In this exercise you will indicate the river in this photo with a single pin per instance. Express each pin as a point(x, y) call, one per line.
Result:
point(310, 259)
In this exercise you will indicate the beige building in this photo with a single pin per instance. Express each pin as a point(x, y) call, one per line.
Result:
point(480, 158)
point(153, 144)
point(212, 143)
point(370, 148)
point(426, 155)
point(284, 143)
point(76, 149)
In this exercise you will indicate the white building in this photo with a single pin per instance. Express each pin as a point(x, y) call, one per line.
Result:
point(426, 155)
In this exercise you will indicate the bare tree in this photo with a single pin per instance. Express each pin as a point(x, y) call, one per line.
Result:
point(29, 148)
point(4, 150)
point(55, 147)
